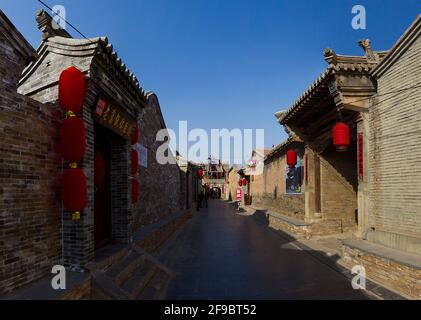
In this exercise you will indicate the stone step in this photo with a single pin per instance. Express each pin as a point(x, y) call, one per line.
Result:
point(140, 279)
point(121, 271)
point(155, 287)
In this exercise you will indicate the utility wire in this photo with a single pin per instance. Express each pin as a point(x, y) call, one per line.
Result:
point(61, 17)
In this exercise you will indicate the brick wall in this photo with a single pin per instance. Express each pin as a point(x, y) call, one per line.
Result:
point(268, 190)
point(395, 153)
point(159, 184)
point(338, 192)
point(30, 206)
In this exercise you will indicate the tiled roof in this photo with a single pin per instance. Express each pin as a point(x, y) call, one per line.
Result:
point(337, 63)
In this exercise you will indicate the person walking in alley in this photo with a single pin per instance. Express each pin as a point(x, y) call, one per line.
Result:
point(200, 200)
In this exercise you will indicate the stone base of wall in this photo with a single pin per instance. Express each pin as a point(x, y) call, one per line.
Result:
point(390, 268)
point(291, 205)
point(157, 238)
point(303, 230)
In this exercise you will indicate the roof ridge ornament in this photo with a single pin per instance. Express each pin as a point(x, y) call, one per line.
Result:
point(370, 54)
point(48, 26)
point(330, 56)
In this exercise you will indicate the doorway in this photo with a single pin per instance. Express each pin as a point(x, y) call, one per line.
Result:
point(102, 188)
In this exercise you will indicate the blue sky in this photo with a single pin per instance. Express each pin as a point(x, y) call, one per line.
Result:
point(226, 63)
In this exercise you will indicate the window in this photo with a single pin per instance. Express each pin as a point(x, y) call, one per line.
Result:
point(294, 178)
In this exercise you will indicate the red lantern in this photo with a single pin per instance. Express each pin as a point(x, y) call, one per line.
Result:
point(135, 134)
point(291, 158)
point(71, 89)
point(341, 136)
point(240, 183)
point(244, 182)
point(200, 173)
point(135, 190)
point(135, 161)
point(74, 190)
point(99, 169)
point(73, 139)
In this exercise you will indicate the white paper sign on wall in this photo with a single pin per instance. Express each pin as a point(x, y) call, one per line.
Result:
point(142, 153)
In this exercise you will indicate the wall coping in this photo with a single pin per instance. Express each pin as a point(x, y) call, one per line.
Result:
point(406, 259)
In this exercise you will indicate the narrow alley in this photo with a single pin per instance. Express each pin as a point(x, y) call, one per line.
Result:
point(221, 254)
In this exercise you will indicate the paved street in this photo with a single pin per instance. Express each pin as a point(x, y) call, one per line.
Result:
point(223, 255)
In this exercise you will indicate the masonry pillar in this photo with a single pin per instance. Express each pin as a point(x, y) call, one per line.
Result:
point(312, 185)
point(363, 183)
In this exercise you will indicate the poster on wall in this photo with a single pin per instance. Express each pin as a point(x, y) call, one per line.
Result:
point(239, 194)
point(294, 178)
point(142, 153)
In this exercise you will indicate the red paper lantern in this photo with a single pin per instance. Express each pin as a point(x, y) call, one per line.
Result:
point(341, 136)
point(74, 190)
point(135, 190)
point(99, 169)
point(240, 183)
point(244, 182)
point(73, 139)
point(291, 158)
point(71, 89)
point(135, 134)
point(200, 173)
point(135, 161)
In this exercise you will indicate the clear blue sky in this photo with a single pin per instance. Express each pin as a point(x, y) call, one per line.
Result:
point(226, 63)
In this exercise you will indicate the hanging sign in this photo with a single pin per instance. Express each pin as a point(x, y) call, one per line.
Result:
point(142, 152)
point(115, 118)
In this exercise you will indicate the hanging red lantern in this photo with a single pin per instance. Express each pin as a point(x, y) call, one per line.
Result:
point(291, 158)
point(71, 89)
point(74, 190)
point(200, 173)
point(341, 136)
point(99, 169)
point(240, 183)
point(134, 161)
point(135, 134)
point(73, 139)
point(244, 182)
point(135, 190)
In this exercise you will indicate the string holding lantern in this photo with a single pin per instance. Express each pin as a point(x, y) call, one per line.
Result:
point(71, 93)
point(340, 133)
point(292, 158)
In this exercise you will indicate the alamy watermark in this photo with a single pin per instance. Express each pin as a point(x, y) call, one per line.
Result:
point(359, 21)
point(359, 280)
point(230, 146)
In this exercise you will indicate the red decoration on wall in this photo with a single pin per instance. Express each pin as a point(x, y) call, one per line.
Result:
point(135, 134)
point(73, 139)
point(74, 190)
point(99, 169)
point(341, 136)
point(360, 156)
point(135, 190)
point(71, 89)
point(134, 161)
point(291, 158)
